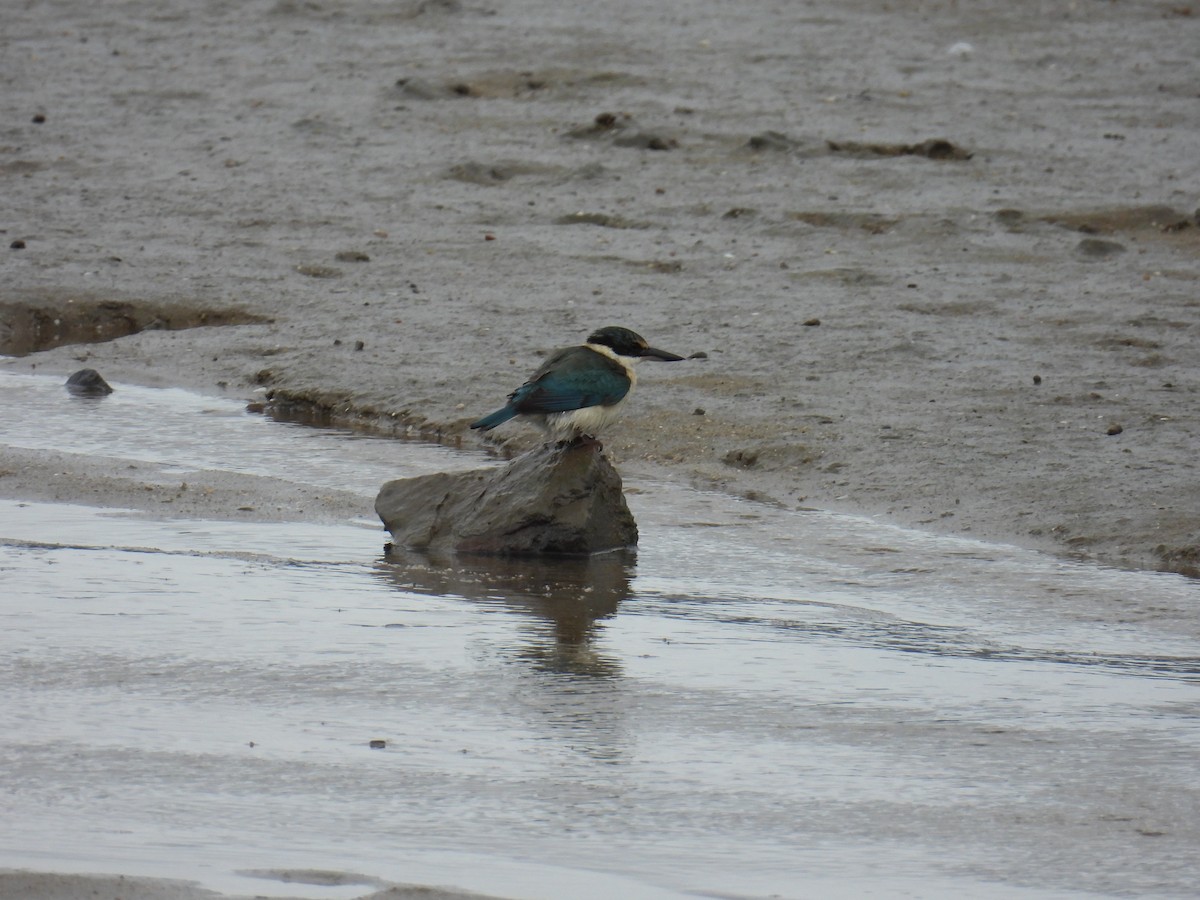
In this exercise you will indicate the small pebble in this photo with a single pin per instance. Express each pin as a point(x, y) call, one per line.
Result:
point(17, 245)
point(359, 345)
point(1037, 379)
point(378, 744)
point(88, 383)
point(812, 322)
point(1114, 428)
point(1095, 248)
point(697, 411)
point(319, 271)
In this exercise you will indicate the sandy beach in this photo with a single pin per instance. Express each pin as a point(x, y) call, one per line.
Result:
point(933, 263)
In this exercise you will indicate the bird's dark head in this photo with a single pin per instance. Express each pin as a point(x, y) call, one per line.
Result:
point(624, 342)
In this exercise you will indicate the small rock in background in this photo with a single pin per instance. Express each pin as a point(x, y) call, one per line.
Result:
point(1094, 248)
point(771, 140)
point(745, 458)
point(647, 140)
point(88, 383)
point(934, 148)
point(319, 271)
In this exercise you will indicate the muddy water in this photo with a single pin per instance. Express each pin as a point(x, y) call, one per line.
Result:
point(760, 702)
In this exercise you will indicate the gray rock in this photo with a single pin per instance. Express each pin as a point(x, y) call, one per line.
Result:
point(88, 383)
point(553, 500)
point(1094, 248)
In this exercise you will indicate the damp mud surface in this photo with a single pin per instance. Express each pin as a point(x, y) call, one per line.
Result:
point(934, 265)
point(942, 259)
point(224, 687)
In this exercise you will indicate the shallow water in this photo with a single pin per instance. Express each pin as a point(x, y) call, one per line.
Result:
point(760, 702)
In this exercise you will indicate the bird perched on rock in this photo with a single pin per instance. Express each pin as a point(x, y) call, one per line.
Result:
point(578, 391)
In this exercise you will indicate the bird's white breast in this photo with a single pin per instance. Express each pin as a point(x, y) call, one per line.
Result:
point(589, 420)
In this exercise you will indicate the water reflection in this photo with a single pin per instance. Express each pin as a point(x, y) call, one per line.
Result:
point(562, 599)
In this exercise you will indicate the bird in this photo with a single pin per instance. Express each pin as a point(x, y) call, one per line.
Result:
point(578, 391)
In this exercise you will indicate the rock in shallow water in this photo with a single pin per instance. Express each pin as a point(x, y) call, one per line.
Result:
point(88, 383)
point(553, 500)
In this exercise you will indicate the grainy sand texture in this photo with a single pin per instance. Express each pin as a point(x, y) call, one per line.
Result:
point(941, 258)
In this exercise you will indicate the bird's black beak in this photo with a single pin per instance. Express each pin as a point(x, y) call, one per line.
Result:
point(660, 354)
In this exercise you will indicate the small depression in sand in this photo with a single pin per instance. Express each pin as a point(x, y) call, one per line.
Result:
point(759, 702)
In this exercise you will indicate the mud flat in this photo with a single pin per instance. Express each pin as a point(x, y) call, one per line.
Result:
point(942, 260)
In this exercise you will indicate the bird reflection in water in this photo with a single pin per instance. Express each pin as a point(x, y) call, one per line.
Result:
point(565, 597)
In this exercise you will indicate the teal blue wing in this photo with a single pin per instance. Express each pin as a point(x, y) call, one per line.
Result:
point(572, 379)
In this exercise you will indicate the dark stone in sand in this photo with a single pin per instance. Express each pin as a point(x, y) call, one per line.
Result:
point(88, 383)
point(1094, 248)
point(935, 148)
point(771, 140)
point(553, 500)
point(647, 140)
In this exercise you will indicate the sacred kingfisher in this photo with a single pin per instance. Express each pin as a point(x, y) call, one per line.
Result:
point(579, 390)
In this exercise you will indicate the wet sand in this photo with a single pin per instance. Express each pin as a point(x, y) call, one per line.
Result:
point(942, 261)
point(20, 885)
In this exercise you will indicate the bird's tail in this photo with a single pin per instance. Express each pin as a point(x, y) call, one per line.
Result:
point(489, 422)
